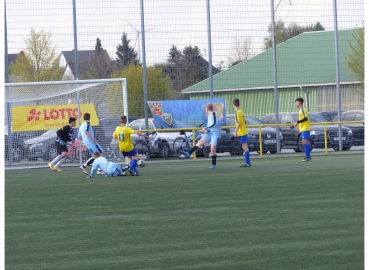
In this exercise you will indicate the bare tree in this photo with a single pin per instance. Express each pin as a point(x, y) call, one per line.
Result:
point(241, 50)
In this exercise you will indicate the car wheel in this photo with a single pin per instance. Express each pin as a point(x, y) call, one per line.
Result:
point(236, 148)
point(142, 150)
point(17, 153)
point(343, 148)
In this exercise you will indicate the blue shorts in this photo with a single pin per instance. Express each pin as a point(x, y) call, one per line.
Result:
point(130, 153)
point(212, 138)
point(94, 148)
point(305, 135)
point(243, 139)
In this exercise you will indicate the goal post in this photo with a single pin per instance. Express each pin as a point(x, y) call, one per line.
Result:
point(35, 110)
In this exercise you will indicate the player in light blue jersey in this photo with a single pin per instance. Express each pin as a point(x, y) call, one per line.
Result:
point(212, 136)
point(111, 169)
point(86, 133)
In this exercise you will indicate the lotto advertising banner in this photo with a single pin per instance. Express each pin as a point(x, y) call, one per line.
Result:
point(27, 118)
point(185, 113)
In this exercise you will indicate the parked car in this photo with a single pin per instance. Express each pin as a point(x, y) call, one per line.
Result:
point(269, 139)
point(357, 129)
point(42, 146)
point(138, 125)
point(292, 136)
point(329, 116)
point(15, 150)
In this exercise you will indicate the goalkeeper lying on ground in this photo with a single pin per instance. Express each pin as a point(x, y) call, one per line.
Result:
point(110, 168)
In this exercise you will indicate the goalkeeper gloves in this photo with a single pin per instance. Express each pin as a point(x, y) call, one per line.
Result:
point(61, 141)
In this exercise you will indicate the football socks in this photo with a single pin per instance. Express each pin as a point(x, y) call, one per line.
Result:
point(214, 160)
point(193, 149)
point(247, 157)
point(133, 165)
point(60, 162)
point(307, 150)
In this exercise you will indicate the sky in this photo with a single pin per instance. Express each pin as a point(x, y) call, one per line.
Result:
point(180, 22)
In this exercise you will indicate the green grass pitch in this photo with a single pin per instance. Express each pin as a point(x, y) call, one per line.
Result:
point(278, 214)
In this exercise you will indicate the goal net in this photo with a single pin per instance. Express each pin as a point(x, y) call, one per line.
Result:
point(34, 111)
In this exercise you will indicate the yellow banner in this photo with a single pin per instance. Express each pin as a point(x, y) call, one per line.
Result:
point(27, 118)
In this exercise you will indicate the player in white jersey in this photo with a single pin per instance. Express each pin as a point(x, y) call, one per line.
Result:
point(111, 169)
point(212, 136)
point(86, 133)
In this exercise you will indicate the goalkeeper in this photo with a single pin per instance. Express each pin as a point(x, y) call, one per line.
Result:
point(65, 134)
point(111, 169)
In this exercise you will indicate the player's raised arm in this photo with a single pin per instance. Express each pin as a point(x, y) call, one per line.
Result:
point(141, 134)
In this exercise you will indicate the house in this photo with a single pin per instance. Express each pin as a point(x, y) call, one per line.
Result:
point(305, 65)
point(67, 60)
point(12, 57)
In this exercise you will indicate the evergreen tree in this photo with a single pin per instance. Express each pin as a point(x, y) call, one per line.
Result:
point(99, 66)
point(126, 53)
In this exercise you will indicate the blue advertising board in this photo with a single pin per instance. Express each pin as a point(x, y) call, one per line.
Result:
point(185, 113)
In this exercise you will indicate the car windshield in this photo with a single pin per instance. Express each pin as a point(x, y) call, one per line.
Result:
point(313, 118)
point(253, 121)
point(249, 119)
point(49, 133)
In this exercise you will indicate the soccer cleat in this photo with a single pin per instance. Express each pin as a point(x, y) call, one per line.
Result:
point(83, 169)
point(57, 169)
point(306, 159)
point(213, 166)
point(100, 172)
point(136, 174)
point(51, 166)
point(186, 154)
point(246, 165)
point(130, 172)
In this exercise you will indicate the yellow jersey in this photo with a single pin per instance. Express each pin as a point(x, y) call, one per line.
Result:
point(241, 119)
point(304, 126)
point(123, 134)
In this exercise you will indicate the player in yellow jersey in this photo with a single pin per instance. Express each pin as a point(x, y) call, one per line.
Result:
point(123, 134)
point(242, 132)
point(304, 127)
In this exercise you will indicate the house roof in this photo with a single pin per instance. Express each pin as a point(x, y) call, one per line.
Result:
point(84, 58)
point(12, 57)
point(307, 59)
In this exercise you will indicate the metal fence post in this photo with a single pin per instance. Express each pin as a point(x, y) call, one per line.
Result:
point(337, 74)
point(261, 142)
point(193, 143)
point(209, 50)
point(144, 63)
point(275, 77)
point(325, 139)
point(125, 99)
point(7, 91)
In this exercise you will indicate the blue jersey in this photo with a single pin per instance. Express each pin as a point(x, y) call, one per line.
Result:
point(105, 165)
point(86, 140)
point(213, 125)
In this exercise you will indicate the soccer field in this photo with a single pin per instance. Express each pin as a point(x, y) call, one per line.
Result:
point(278, 214)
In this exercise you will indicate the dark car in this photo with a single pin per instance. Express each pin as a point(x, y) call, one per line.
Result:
point(358, 128)
point(329, 116)
point(42, 146)
point(14, 151)
point(269, 139)
point(292, 136)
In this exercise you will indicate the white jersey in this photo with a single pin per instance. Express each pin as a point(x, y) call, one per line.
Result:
point(213, 125)
point(81, 132)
